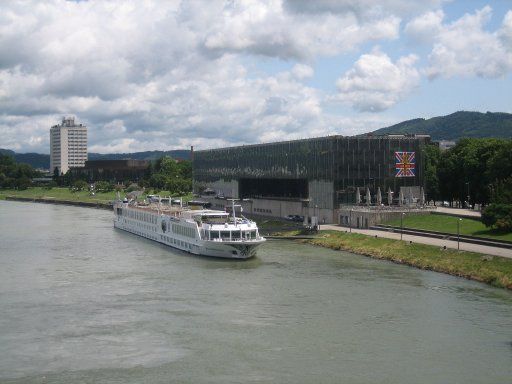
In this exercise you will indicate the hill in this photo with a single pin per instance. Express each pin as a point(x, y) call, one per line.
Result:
point(457, 125)
point(42, 161)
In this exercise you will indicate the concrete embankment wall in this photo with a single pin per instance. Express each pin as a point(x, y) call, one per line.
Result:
point(61, 202)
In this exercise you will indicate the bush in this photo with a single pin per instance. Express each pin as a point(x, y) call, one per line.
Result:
point(132, 187)
point(23, 183)
point(498, 216)
point(103, 186)
point(79, 185)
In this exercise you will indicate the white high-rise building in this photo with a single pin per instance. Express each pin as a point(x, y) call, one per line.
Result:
point(68, 145)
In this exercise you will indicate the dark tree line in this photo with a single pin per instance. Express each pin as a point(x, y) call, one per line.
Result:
point(163, 174)
point(167, 174)
point(475, 171)
point(15, 175)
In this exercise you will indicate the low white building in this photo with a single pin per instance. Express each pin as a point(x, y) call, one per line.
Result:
point(68, 145)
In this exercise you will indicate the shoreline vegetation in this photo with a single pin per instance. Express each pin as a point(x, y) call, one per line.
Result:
point(65, 195)
point(56, 194)
point(493, 270)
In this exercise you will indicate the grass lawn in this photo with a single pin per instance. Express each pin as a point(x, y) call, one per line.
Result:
point(496, 271)
point(66, 194)
point(448, 224)
point(59, 194)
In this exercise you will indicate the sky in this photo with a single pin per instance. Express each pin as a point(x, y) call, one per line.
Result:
point(161, 75)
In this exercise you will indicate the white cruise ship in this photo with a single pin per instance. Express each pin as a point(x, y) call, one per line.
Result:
point(200, 232)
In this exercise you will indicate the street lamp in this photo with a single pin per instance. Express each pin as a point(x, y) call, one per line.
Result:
point(468, 195)
point(402, 224)
point(458, 234)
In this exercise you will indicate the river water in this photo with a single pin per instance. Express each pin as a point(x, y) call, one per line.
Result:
point(81, 302)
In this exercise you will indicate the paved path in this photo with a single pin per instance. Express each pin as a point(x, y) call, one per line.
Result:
point(485, 249)
point(459, 211)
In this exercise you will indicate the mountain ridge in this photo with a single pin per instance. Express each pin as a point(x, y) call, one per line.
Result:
point(456, 126)
point(42, 161)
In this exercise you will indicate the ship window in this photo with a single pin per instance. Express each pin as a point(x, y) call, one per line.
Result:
point(214, 234)
point(235, 235)
point(224, 235)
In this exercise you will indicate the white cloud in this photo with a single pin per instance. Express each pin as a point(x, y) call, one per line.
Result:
point(164, 75)
point(505, 33)
point(155, 75)
point(363, 8)
point(375, 83)
point(425, 28)
point(464, 47)
point(302, 71)
point(266, 28)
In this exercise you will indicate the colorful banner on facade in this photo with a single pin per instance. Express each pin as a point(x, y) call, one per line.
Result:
point(405, 164)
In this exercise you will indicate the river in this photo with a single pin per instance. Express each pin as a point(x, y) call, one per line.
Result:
point(81, 302)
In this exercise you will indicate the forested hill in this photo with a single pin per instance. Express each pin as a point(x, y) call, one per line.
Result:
point(38, 160)
point(457, 125)
point(179, 154)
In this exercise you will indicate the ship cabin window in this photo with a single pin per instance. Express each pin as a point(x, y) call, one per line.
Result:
point(214, 235)
point(225, 235)
point(235, 235)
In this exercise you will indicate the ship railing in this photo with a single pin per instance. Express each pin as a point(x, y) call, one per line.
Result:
point(217, 240)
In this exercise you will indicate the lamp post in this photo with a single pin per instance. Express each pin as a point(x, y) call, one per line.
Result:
point(402, 225)
point(317, 219)
point(458, 234)
point(468, 194)
point(350, 221)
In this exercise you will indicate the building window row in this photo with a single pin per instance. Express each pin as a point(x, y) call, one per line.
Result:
point(262, 210)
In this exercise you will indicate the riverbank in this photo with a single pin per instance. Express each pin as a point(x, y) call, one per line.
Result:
point(493, 270)
point(85, 204)
point(62, 195)
point(65, 196)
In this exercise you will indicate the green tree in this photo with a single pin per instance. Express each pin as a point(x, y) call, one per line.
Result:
point(185, 169)
point(22, 183)
point(469, 168)
point(79, 185)
point(158, 181)
point(15, 175)
point(104, 186)
point(166, 165)
point(432, 158)
point(498, 216)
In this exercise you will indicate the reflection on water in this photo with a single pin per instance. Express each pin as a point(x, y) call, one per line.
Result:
point(82, 302)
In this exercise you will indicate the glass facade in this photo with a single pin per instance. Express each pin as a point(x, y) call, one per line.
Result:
point(340, 163)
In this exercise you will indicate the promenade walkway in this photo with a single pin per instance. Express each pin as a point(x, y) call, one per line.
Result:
point(459, 211)
point(494, 251)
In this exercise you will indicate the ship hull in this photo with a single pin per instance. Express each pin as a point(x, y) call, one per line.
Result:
point(240, 250)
